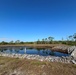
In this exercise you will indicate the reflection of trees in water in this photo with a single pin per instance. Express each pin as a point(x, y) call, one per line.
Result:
point(40, 48)
point(22, 48)
point(45, 51)
point(42, 51)
point(11, 50)
point(1, 50)
point(29, 48)
point(48, 52)
point(16, 50)
point(5, 49)
point(51, 53)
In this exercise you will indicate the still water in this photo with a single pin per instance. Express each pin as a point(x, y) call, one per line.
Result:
point(38, 51)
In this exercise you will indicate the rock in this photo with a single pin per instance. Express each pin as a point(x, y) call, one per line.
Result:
point(73, 54)
point(73, 61)
point(16, 72)
point(37, 57)
point(61, 47)
point(71, 49)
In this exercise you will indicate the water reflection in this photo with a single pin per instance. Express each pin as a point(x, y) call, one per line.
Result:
point(1, 50)
point(38, 51)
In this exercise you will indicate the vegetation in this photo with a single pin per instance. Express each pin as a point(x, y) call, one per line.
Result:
point(13, 66)
point(34, 67)
point(71, 40)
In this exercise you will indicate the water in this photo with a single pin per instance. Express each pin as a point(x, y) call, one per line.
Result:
point(39, 51)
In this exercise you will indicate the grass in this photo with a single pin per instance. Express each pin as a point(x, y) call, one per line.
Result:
point(35, 45)
point(34, 67)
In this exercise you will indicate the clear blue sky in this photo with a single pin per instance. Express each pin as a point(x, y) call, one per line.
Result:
point(30, 20)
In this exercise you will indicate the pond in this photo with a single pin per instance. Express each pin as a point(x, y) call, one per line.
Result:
point(26, 50)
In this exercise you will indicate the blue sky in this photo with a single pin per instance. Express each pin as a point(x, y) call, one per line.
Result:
point(30, 20)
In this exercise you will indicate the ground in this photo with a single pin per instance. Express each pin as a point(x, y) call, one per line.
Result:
point(15, 66)
point(36, 45)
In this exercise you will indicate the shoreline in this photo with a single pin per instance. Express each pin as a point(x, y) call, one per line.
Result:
point(62, 59)
point(62, 48)
point(36, 45)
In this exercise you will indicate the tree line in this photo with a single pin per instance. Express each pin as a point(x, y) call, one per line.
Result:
point(71, 40)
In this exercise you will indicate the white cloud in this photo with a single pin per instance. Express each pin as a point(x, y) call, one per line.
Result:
point(6, 39)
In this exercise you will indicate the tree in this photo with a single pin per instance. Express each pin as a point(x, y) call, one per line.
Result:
point(38, 42)
point(17, 41)
point(43, 41)
point(70, 37)
point(11, 42)
point(4, 43)
point(74, 36)
point(21, 42)
point(46, 40)
point(62, 39)
point(50, 39)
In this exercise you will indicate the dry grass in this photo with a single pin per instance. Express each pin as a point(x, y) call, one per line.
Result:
point(34, 67)
point(36, 45)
